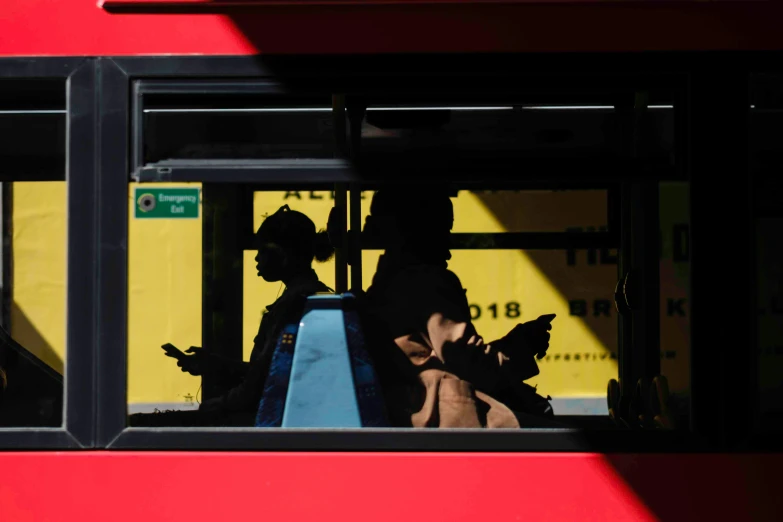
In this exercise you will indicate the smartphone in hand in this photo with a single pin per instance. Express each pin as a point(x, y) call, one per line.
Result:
point(548, 318)
point(173, 351)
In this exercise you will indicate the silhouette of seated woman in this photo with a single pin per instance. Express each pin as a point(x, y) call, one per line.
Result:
point(287, 244)
point(435, 370)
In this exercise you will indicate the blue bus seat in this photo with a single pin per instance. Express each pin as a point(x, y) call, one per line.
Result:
point(270, 410)
point(321, 375)
point(372, 407)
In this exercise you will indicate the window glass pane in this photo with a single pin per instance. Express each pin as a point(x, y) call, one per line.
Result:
point(193, 278)
point(769, 230)
point(765, 119)
point(766, 146)
point(577, 284)
point(168, 297)
point(32, 125)
point(531, 211)
point(268, 127)
point(440, 129)
point(506, 287)
point(479, 130)
point(32, 252)
point(675, 294)
point(164, 304)
point(32, 340)
point(194, 281)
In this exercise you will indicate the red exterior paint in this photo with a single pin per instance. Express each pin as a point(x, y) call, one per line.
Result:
point(147, 3)
point(81, 27)
point(109, 4)
point(210, 486)
point(239, 486)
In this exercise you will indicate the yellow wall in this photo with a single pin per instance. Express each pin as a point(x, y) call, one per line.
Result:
point(164, 292)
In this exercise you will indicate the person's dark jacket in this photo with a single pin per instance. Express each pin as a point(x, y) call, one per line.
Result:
point(436, 371)
point(288, 309)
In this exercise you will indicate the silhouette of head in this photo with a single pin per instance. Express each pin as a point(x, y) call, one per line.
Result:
point(287, 244)
point(417, 219)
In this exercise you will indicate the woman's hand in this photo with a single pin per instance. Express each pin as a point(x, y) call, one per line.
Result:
point(529, 339)
point(196, 363)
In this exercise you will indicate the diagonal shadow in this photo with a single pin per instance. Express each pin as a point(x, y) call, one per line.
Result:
point(704, 486)
point(26, 334)
point(584, 276)
point(32, 393)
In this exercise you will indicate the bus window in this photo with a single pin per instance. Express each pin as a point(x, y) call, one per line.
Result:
point(197, 255)
point(193, 274)
point(675, 293)
point(770, 330)
point(531, 211)
point(32, 252)
point(172, 259)
point(190, 282)
point(766, 117)
point(478, 129)
point(505, 287)
point(268, 127)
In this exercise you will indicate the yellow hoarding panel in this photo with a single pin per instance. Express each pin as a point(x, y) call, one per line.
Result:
point(503, 286)
point(164, 304)
point(39, 249)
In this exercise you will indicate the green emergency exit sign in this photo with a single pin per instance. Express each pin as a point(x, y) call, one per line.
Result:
point(166, 203)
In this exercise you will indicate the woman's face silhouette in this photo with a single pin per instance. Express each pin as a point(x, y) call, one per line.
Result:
point(271, 262)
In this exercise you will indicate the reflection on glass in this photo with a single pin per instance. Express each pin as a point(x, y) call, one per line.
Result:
point(269, 128)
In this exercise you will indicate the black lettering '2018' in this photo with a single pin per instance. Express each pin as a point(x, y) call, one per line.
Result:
point(511, 310)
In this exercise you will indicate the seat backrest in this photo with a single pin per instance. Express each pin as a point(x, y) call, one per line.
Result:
point(321, 392)
point(321, 373)
point(372, 407)
point(270, 410)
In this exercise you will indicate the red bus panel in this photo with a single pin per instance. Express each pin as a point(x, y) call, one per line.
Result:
point(345, 487)
point(83, 28)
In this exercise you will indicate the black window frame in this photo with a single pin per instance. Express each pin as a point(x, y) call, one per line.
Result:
point(147, 73)
point(98, 173)
point(78, 428)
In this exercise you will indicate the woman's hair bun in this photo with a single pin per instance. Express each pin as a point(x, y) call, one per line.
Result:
point(322, 247)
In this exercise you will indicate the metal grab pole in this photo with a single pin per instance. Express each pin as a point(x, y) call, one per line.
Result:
point(340, 258)
point(355, 243)
point(340, 196)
